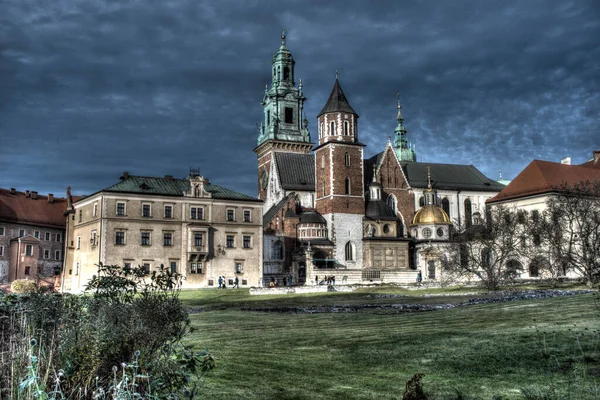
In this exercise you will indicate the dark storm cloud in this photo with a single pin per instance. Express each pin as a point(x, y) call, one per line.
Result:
point(91, 88)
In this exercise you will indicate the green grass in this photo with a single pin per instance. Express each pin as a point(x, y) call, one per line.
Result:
point(480, 351)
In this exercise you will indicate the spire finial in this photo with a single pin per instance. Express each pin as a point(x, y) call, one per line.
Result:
point(283, 36)
point(374, 173)
point(500, 172)
point(428, 177)
point(399, 104)
point(337, 74)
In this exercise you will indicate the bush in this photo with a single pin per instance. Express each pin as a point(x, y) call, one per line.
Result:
point(75, 343)
point(23, 286)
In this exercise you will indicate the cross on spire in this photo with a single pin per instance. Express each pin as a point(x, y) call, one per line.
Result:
point(337, 73)
point(283, 36)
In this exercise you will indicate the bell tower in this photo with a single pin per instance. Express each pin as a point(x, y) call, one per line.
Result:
point(339, 176)
point(284, 127)
point(404, 151)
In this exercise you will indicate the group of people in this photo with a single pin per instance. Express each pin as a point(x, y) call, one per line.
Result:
point(329, 280)
point(223, 284)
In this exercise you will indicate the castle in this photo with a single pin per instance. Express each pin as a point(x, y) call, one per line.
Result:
point(328, 211)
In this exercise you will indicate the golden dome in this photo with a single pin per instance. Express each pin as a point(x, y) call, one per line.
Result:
point(431, 214)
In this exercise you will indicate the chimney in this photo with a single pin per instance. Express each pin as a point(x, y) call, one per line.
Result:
point(596, 156)
point(13, 191)
point(27, 193)
point(50, 198)
point(169, 177)
point(566, 161)
point(124, 176)
point(34, 195)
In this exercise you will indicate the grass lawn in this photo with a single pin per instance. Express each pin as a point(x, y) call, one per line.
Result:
point(480, 351)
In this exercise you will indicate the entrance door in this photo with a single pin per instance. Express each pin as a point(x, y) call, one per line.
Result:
point(431, 269)
point(301, 273)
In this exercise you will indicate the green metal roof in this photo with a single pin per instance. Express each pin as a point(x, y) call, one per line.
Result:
point(172, 187)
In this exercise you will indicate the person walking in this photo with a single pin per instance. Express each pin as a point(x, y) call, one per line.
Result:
point(220, 282)
point(419, 277)
point(236, 282)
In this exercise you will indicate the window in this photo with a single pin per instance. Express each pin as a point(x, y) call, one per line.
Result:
point(196, 213)
point(268, 117)
point(332, 128)
point(167, 239)
point(119, 237)
point(197, 239)
point(277, 251)
point(347, 185)
point(58, 237)
point(426, 233)
point(173, 267)
point(46, 254)
point(346, 128)
point(80, 215)
point(36, 234)
point(421, 201)
point(230, 214)
point(121, 209)
point(27, 270)
point(391, 202)
point(247, 242)
point(468, 212)
point(77, 268)
point(289, 115)
point(21, 232)
point(1, 250)
point(28, 250)
point(347, 158)
point(145, 210)
point(446, 205)
point(145, 239)
point(247, 216)
point(230, 241)
point(1, 231)
point(93, 240)
point(146, 268)
point(349, 251)
point(196, 268)
point(127, 266)
point(168, 211)
point(47, 236)
point(535, 215)
point(57, 254)
point(238, 269)
point(440, 232)
point(78, 242)
point(95, 211)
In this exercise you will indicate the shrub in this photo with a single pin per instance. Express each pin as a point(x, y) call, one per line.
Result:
point(23, 286)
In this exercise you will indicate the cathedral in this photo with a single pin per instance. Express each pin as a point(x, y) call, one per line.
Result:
point(331, 212)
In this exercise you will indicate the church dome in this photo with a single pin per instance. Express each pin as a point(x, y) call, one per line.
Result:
point(431, 214)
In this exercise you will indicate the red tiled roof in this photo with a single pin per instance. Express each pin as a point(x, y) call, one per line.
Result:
point(19, 208)
point(541, 177)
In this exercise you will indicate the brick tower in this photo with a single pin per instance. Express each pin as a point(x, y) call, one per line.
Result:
point(339, 177)
point(285, 127)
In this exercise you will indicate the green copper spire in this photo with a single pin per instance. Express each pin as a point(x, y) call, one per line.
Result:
point(283, 102)
point(403, 150)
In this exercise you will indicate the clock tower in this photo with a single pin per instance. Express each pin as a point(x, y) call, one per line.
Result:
point(284, 127)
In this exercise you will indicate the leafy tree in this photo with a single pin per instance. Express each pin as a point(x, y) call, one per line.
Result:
point(485, 250)
point(571, 229)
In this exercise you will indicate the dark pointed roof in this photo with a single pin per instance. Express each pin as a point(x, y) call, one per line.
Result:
point(379, 210)
point(337, 101)
point(296, 171)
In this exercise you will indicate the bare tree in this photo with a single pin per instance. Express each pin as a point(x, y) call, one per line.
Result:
point(573, 231)
point(489, 249)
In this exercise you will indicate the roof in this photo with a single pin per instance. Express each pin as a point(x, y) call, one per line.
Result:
point(276, 208)
point(379, 210)
point(337, 101)
point(17, 207)
point(311, 217)
point(541, 177)
point(172, 187)
point(296, 171)
point(431, 214)
point(449, 176)
point(594, 162)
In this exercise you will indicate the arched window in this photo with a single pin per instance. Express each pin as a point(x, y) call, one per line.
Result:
point(346, 128)
point(396, 177)
point(468, 213)
point(421, 201)
point(332, 128)
point(446, 205)
point(349, 251)
point(347, 186)
point(347, 157)
point(277, 253)
point(278, 73)
point(322, 130)
point(268, 117)
point(286, 73)
point(392, 204)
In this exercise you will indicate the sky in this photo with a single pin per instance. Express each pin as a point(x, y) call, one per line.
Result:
point(92, 88)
